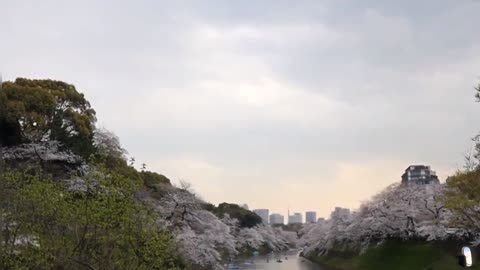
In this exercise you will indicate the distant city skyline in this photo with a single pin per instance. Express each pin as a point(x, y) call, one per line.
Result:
point(402, 178)
point(310, 217)
point(265, 102)
point(276, 218)
point(295, 218)
point(291, 217)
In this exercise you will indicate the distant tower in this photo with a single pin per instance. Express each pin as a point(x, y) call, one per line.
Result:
point(288, 215)
point(310, 217)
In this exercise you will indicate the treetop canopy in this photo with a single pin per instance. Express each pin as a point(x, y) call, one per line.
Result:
point(39, 110)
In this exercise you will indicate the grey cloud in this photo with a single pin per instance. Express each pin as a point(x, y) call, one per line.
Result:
point(398, 75)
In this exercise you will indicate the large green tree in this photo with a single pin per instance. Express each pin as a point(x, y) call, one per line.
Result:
point(36, 110)
point(463, 195)
point(463, 199)
point(90, 222)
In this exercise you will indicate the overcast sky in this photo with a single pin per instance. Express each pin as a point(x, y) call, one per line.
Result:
point(304, 105)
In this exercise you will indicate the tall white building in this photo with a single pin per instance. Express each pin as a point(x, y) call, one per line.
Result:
point(310, 217)
point(263, 213)
point(296, 218)
point(276, 219)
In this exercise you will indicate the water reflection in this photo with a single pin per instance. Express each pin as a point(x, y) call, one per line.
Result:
point(290, 261)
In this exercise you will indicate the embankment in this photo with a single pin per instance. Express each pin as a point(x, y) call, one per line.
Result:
point(397, 255)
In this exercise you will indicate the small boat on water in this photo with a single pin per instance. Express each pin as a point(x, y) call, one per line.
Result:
point(279, 261)
point(249, 262)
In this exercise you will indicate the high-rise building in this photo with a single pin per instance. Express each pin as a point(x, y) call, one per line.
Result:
point(263, 213)
point(420, 175)
point(296, 218)
point(310, 217)
point(276, 219)
point(340, 212)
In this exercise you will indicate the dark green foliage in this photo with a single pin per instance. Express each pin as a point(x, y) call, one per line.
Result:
point(154, 180)
point(151, 180)
point(10, 133)
point(247, 251)
point(35, 110)
point(245, 217)
point(396, 255)
point(264, 249)
point(209, 207)
point(103, 227)
point(120, 166)
point(463, 198)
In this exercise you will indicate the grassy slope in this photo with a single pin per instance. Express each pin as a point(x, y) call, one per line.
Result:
point(397, 255)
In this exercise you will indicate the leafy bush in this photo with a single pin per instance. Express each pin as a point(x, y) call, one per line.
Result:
point(154, 180)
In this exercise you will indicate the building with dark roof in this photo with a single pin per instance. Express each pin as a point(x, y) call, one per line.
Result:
point(310, 217)
point(263, 213)
point(420, 175)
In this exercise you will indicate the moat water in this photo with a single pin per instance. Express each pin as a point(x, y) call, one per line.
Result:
point(290, 261)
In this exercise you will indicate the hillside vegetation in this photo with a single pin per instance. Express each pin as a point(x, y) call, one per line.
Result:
point(396, 255)
point(71, 197)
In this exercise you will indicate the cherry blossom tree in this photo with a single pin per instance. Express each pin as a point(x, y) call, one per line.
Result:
point(399, 211)
point(206, 240)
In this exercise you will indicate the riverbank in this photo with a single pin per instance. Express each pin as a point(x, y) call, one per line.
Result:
point(396, 255)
